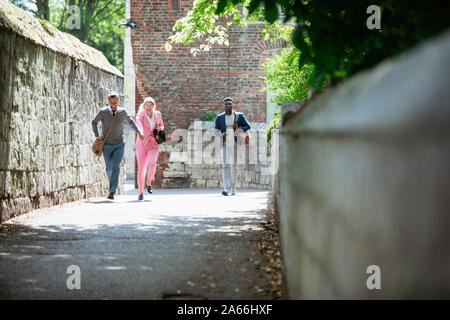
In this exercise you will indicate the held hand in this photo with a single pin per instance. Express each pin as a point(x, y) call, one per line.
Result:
point(235, 127)
point(141, 136)
point(224, 134)
point(97, 142)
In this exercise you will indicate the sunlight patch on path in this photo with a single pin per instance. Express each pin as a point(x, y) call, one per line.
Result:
point(188, 207)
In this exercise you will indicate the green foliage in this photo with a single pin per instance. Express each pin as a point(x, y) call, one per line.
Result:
point(276, 31)
point(107, 37)
point(208, 116)
point(273, 124)
point(39, 8)
point(200, 24)
point(283, 76)
point(99, 27)
point(332, 35)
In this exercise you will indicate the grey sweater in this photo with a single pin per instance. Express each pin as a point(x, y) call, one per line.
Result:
point(105, 115)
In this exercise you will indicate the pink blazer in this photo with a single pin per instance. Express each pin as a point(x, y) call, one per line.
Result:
point(142, 123)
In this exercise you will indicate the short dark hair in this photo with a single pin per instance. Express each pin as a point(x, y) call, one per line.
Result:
point(228, 99)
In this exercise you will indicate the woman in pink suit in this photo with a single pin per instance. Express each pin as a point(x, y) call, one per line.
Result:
point(147, 149)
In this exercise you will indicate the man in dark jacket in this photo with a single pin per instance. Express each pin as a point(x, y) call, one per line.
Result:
point(228, 124)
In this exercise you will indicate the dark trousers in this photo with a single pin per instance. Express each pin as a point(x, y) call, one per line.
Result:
point(113, 154)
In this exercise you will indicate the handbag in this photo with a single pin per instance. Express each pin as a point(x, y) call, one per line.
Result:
point(160, 136)
point(98, 151)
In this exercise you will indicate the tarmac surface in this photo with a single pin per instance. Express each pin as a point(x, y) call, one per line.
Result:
point(175, 244)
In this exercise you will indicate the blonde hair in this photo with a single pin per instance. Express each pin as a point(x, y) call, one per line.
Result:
point(148, 99)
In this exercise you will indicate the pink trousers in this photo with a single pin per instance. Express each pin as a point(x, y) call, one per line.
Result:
point(146, 158)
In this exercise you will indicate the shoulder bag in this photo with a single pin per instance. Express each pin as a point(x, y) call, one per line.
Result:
point(98, 151)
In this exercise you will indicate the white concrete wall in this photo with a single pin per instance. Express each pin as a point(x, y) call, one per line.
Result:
point(197, 161)
point(365, 180)
point(129, 98)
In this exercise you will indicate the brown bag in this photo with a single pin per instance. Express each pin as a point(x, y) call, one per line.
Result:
point(98, 151)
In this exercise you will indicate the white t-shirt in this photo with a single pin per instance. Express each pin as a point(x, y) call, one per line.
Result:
point(229, 121)
point(151, 121)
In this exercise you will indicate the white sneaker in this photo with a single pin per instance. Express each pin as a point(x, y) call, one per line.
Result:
point(233, 191)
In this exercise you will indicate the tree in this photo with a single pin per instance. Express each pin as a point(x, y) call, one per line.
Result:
point(99, 22)
point(39, 8)
point(332, 35)
point(93, 13)
point(288, 82)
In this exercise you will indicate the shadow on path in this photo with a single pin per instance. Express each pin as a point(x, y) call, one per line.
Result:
point(137, 251)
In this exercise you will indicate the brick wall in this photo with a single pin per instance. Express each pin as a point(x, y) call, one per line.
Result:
point(185, 86)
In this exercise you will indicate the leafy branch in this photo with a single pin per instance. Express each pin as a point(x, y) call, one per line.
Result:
point(331, 35)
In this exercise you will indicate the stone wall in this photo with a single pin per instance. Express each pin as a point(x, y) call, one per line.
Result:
point(365, 180)
point(51, 86)
point(196, 161)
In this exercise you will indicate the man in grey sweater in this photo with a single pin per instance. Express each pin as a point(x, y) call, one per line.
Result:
point(114, 145)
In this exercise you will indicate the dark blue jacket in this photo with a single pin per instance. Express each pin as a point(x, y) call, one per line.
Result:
point(242, 123)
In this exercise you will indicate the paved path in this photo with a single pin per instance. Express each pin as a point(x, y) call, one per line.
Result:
point(179, 243)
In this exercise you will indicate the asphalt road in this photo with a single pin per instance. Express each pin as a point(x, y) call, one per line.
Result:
point(176, 244)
